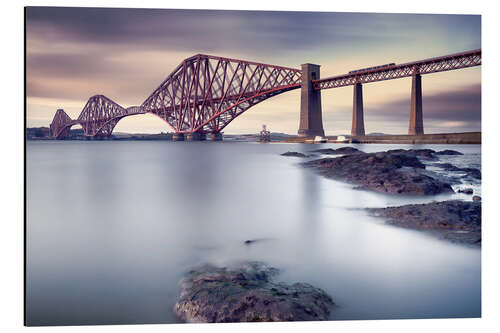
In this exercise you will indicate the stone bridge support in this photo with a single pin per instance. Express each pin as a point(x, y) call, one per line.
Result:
point(358, 123)
point(416, 116)
point(178, 137)
point(311, 122)
point(217, 136)
point(196, 136)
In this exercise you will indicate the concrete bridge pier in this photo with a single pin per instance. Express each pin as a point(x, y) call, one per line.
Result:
point(416, 116)
point(178, 137)
point(311, 122)
point(196, 136)
point(214, 136)
point(358, 123)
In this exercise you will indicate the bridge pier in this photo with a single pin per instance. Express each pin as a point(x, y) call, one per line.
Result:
point(416, 115)
point(311, 122)
point(178, 137)
point(196, 136)
point(214, 136)
point(358, 123)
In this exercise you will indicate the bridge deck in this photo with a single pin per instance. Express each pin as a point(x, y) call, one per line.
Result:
point(426, 66)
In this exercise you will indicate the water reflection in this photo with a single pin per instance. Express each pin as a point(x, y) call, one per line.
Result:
point(112, 226)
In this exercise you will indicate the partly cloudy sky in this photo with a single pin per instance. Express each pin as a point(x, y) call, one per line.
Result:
point(75, 53)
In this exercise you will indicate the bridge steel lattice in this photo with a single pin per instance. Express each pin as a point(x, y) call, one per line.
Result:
point(98, 118)
point(411, 69)
point(61, 124)
point(205, 93)
point(427, 66)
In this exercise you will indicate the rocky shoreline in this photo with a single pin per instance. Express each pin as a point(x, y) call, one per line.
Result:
point(454, 220)
point(245, 293)
point(393, 172)
point(402, 172)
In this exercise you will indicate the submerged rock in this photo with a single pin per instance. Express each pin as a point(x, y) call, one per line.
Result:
point(294, 154)
point(470, 172)
point(211, 294)
point(454, 220)
point(338, 151)
point(394, 172)
point(448, 152)
point(251, 241)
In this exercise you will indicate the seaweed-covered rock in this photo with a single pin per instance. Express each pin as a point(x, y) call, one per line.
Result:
point(454, 220)
point(246, 293)
point(394, 172)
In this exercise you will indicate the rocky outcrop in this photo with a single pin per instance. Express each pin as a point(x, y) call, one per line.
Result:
point(470, 172)
point(426, 154)
point(338, 151)
point(448, 152)
point(293, 154)
point(454, 220)
point(394, 172)
point(211, 294)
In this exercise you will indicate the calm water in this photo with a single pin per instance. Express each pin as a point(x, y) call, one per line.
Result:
point(111, 227)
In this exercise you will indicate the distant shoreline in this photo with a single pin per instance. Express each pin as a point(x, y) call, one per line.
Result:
point(442, 138)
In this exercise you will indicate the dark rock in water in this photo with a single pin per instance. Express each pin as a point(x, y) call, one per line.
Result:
point(476, 198)
point(466, 191)
point(444, 177)
point(325, 151)
point(454, 220)
point(394, 171)
point(251, 241)
point(448, 152)
point(427, 154)
point(294, 154)
point(471, 172)
point(348, 150)
point(338, 151)
point(212, 294)
point(447, 166)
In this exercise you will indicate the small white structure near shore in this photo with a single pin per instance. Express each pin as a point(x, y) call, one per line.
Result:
point(319, 139)
point(342, 139)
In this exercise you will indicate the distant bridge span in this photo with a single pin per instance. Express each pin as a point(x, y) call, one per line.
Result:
point(205, 93)
point(98, 118)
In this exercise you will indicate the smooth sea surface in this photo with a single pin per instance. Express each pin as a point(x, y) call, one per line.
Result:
point(113, 225)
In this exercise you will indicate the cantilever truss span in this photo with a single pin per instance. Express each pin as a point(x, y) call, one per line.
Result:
point(98, 118)
point(205, 93)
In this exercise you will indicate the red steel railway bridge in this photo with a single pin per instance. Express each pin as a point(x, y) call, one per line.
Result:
point(205, 93)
